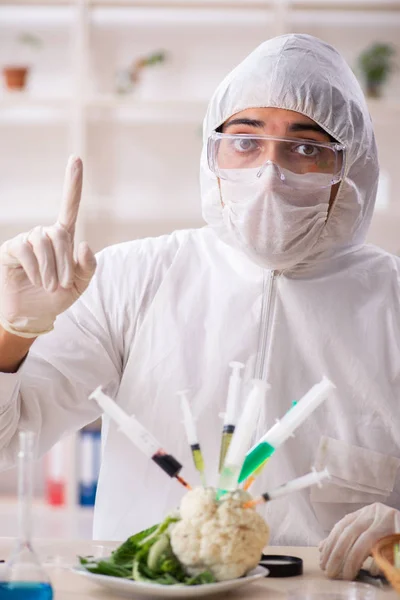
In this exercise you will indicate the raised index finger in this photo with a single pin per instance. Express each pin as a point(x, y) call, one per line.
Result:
point(71, 195)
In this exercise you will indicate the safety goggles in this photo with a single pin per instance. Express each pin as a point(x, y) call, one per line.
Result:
point(301, 164)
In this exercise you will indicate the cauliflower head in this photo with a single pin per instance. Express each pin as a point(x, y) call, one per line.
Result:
point(220, 536)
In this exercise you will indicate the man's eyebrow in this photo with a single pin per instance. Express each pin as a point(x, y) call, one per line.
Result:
point(307, 127)
point(249, 122)
point(293, 127)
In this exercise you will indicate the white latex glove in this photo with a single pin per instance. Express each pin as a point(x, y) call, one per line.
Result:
point(39, 276)
point(349, 544)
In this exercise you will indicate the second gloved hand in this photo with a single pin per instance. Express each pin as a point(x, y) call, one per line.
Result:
point(39, 276)
point(349, 544)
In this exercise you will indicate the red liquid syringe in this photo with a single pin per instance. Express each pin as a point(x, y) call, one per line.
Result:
point(140, 436)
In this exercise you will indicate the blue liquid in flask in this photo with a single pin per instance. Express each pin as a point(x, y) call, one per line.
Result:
point(24, 577)
point(25, 590)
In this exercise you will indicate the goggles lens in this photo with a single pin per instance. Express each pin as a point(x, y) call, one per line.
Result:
point(248, 155)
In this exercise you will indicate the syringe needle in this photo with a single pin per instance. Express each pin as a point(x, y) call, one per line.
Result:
point(183, 482)
point(248, 483)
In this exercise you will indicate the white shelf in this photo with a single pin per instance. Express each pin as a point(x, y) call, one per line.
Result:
point(131, 109)
point(185, 4)
point(37, 2)
point(322, 5)
point(22, 109)
point(346, 5)
point(384, 111)
point(25, 100)
point(61, 522)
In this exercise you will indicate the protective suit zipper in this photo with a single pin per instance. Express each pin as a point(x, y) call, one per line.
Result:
point(265, 337)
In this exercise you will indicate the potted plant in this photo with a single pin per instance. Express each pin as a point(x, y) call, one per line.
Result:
point(129, 78)
point(376, 64)
point(16, 74)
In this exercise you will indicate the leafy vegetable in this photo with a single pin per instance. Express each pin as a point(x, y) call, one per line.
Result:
point(105, 567)
point(127, 551)
point(148, 557)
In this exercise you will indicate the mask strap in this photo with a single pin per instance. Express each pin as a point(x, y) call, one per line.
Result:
point(220, 192)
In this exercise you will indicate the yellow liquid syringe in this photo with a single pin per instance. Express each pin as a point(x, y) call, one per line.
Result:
point(192, 437)
point(228, 479)
point(231, 411)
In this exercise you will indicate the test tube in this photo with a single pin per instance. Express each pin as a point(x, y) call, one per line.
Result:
point(241, 438)
point(192, 437)
point(140, 436)
point(284, 428)
point(230, 417)
point(305, 481)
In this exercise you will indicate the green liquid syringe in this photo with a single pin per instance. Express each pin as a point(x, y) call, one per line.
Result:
point(192, 437)
point(230, 416)
point(284, 428)
point(249, 482)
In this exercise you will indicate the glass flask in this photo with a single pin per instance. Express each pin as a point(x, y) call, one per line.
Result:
point(23, 577)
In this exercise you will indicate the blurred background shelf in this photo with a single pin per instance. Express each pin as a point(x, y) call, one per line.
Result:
point(153, 111)
point(74, 522)
point(141, 150)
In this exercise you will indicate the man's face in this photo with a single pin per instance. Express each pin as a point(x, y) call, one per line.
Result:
point(278, 122)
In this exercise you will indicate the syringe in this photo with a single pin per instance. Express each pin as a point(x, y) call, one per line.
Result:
point(284, 428)
point(241, 438)
point(249, 482)
point(192, 437)
point(313, 478)
point(230, 416)
point(139, 435)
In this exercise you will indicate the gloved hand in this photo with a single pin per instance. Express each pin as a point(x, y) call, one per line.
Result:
point(350, 542)
point(39, 277)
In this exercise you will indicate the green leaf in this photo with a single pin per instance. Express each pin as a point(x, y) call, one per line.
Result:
point(105, 567)
point(202, 578)
point(157, 552)
point(126, 552)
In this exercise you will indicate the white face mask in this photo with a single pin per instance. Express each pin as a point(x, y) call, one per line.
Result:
point(275, 225)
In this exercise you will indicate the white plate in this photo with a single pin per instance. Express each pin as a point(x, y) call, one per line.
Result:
point(133, 589)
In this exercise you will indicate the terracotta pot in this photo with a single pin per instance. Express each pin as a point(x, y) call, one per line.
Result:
point(374, 90)
point(15, 77)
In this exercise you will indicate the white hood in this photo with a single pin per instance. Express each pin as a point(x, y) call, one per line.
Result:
point(304, 74)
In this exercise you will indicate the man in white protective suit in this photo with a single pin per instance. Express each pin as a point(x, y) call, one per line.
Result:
point(280, 279)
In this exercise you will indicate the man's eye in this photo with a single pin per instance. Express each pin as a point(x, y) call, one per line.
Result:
point(244, 145)
point(307, 150)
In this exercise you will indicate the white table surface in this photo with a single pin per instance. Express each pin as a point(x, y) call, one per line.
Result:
point(57, 556)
